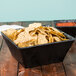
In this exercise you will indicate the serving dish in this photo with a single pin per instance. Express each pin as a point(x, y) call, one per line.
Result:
point(40, 54)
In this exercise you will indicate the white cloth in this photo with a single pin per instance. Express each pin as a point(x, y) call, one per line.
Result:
point(5, 27)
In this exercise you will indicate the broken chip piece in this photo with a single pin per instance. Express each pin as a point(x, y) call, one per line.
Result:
point(42, 39)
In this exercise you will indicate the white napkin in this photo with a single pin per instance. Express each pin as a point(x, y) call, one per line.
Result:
point(5, 27)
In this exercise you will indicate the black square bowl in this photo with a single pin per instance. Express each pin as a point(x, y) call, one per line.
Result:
point(71, 30)
point(41, 54)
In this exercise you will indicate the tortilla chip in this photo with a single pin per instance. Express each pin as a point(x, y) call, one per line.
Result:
point(62, 39)
point(20, 30)
point(42, 39)
point(35, 25)
point(11, 33)
point(27, 43)
point(41, 31)
point(32, 33)
point(56, 31)
point(23, 37)
point(23, 44)
point(32, 27)
point(51, 39)
point(56, 39)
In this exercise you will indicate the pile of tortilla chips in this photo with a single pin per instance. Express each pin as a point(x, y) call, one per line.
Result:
point(35, 34)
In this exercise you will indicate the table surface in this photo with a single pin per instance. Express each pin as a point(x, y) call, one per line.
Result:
point(10, 67)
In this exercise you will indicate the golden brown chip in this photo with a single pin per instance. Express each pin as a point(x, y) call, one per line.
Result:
point(42, 39)
point(37, 31)
point(11, 33)
point(32, 27)
point(20, 30)
point(32, 33)
point(56, 39)
point(61, 34)
point(20, 38)
point(41, 31)
point(35, 25)
point(27, 43)
point(52, 32)
point(51, 39)
point(62, 39)
point(23, 37)
point(23, 44)
point(57, 32)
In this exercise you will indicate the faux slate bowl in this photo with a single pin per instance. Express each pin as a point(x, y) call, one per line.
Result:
point(41, 54)
point(71, 30)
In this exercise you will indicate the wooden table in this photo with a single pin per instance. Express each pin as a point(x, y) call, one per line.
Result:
point(10, 67)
